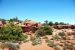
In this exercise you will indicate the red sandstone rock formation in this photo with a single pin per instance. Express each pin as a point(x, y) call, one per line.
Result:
point(30, 26)
point(64, 26)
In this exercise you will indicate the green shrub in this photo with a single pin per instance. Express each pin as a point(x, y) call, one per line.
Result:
point(68, 46)
point(11, 46)
point(14, 20)
point(56, 23)
point(36, 41)
point(49, 32)
point(56, 47)
point(51, 23)
point(40, 32)
point(62, 23)
point(55, 37)
point(50, 43)
point(11, 32)
point(44, 31)
point(61, 34)
point(32, 38)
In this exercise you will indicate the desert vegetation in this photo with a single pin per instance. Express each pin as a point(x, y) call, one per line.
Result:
point(58, 39)
point(9, 45)
point(11, 32)
point(45, 30)
point(46, 22)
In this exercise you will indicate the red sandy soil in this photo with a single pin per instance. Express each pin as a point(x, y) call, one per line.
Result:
point(29, 46)
point(43, 46)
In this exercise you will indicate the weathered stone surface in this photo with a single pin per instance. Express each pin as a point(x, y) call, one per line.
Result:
point(64, 26)
point(30, 26)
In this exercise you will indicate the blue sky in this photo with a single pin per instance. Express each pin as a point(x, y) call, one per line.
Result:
point(39, 10)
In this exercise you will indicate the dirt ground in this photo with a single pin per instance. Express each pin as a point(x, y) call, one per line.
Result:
point(29, 46)
point(43, 46)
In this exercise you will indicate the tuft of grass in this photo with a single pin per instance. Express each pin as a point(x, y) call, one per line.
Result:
point(56, 47)
point(50, 43)
point(36, 40)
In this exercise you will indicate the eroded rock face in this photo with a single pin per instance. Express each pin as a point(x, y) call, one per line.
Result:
point(30, 26)
point(64, 26)
point(28, 29)
point(72, 26)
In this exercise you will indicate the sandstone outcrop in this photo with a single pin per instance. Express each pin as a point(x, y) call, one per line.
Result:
point(30, 26)
point(64, 26)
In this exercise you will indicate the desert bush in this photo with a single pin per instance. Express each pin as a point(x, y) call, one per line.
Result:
point(51, 23)
point(61, 34)
point(67, 46)
point(36, 41)
point(11, 46)
point(56, 23)
point(25, 41)
point(44, 31)
point(50, 43)
point(56, 47)
point(48, 30)
point(62, 23)
point(11, 32)
point(32, 38)
point(56, 37)
point(14, 20)
point(40, 32)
